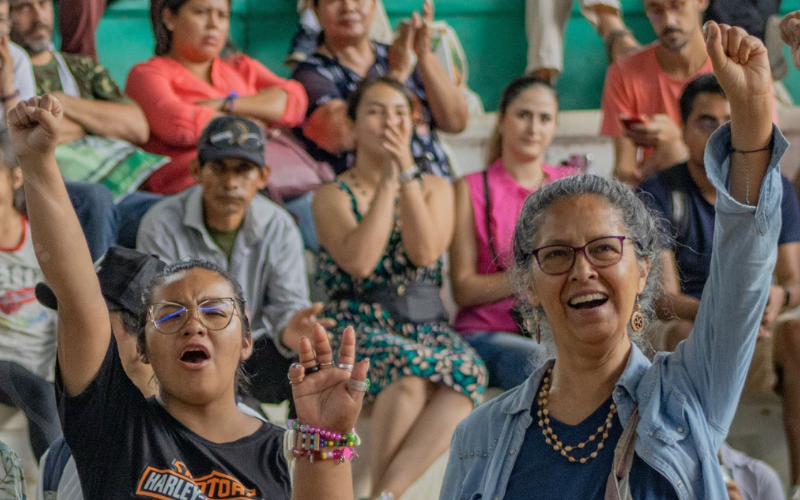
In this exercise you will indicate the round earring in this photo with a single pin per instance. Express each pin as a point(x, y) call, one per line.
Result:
point(637, 320)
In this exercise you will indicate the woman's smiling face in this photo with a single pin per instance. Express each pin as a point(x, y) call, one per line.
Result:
point(587, 305)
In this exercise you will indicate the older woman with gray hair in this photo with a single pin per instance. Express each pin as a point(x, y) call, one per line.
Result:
point(600, 420)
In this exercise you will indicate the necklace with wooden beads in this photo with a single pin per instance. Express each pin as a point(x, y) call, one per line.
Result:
point(552, 439)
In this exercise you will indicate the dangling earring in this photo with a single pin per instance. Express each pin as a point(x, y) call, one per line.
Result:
point(637, 320)
point(538, 328)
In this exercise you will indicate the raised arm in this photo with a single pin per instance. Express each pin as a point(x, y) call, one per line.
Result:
point(674, 304)
point(447, 102)
point(470, 287)
point(741, 162)
point(84, 328)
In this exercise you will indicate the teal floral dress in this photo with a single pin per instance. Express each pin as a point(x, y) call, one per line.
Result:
point(433, 351)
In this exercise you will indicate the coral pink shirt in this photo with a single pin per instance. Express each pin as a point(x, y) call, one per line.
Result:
point(167, 93)
point(636, 85)
point(507, 198)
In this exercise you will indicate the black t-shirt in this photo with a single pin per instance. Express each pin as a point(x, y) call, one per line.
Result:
point(689, 220)
point(126, 446)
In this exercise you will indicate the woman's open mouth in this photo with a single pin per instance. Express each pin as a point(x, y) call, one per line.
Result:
point(588, 301)
point(195, 356)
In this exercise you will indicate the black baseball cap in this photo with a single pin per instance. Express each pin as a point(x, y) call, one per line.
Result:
point(231, 137)
point(123, 274)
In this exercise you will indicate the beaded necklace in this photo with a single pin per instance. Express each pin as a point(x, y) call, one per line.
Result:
point(552, 439)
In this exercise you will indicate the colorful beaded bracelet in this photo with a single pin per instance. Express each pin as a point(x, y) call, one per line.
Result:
point(307, 437)
point(340, 454)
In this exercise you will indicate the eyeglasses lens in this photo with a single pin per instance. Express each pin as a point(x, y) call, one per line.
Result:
point(558, 259)
point(214, 314)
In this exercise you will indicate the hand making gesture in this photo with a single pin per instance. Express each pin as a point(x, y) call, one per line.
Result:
point(742, 68)
point(328, 393)
point(414, 37)
point(34, 126)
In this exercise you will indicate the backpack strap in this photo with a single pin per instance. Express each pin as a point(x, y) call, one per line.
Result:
point(57, 457)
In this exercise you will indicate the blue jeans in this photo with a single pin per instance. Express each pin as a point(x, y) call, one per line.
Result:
point(509, 357)
point(130, 211)
point(300, 207)
point(97, 214)
point(105, 224)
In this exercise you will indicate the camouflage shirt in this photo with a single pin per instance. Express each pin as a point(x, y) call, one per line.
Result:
point(93, 79)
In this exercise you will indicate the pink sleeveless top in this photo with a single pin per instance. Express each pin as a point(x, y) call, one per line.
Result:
point(507, 198)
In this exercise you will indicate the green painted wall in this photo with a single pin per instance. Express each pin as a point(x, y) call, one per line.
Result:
point(492, 32)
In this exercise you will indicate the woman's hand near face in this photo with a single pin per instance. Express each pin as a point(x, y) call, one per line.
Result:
point(397, 141)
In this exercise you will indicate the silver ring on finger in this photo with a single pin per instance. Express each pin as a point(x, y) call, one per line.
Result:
point(344, 366)
point(329, 364)
point(358, 385)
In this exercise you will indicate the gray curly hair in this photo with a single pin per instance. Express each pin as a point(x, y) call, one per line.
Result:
point(643, 226)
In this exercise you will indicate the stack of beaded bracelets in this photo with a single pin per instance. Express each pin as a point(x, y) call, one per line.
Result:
point(318, 444)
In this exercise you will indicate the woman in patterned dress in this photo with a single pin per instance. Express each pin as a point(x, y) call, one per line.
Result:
point(383, 227)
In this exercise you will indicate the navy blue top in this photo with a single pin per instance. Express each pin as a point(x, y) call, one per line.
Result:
point(541, 472)
point(325, 79)
point(689, 220)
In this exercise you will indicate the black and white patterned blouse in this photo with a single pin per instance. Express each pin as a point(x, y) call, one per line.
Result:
point(324, 79)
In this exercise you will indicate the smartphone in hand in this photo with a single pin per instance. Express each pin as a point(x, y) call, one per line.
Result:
point(630, 121)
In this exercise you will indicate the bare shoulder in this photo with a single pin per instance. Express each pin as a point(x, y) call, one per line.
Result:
point(330, 195)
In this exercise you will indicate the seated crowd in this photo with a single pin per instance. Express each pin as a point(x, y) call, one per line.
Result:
point(141, 353)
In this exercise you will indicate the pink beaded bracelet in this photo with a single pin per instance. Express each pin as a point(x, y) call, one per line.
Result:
point(340, 454)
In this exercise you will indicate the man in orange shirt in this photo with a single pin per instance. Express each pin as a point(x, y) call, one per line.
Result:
point(641, 92)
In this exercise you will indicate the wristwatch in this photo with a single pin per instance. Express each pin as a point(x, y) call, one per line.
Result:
point(409, 175)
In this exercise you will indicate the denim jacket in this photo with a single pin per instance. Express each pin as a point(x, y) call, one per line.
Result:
point(687, 399)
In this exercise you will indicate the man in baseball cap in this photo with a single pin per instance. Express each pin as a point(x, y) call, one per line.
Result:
point(224, 220)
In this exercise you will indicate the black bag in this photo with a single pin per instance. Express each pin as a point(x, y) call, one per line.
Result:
point(410, 303)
